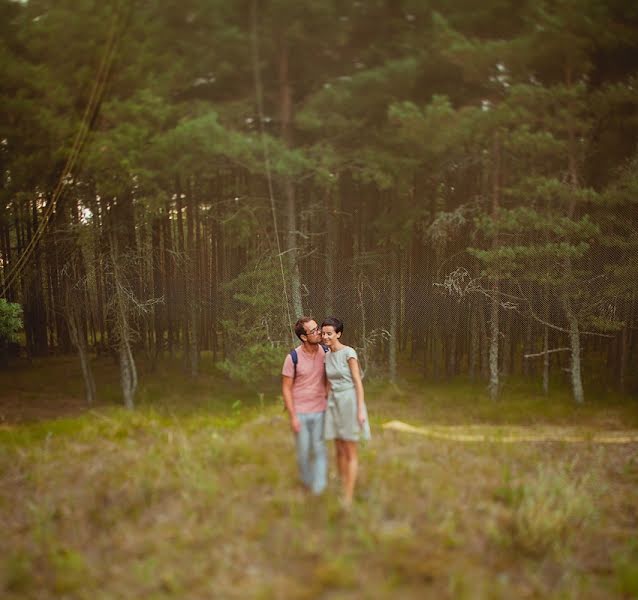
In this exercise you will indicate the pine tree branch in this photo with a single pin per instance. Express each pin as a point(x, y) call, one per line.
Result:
point(545, 352)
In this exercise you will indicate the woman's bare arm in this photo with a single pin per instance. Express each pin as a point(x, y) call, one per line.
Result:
point(353, 363)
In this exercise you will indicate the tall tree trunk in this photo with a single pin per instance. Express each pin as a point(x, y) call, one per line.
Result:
point(493, 348)
point(507, 363)
point(99, 252)
point(331, 250)
point(570, 314)
point(451, 342)
point(124, 271)
point(394, 312)
point(214, 279)
point(158, 287)
point(285, 112)
point(546, 356)
point(574, 338)
point(78, 337)
point(528, 335)
point(61, 249)
point(6, 260)
point(413, 299)
point(128, 370)
point(191, 282)
point(182, 261)
point(494, 304)
point(74, 283)
point(625, 344)
point(475, 336)
point(485, 340)
point(38, 304)
point(168, 252)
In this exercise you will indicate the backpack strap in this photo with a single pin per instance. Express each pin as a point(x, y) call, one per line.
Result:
point(295, 358)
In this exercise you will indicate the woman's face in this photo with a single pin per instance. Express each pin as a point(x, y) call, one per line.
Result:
point(328, 335)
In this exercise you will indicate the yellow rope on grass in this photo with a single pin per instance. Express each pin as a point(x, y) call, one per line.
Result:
point(515, 434)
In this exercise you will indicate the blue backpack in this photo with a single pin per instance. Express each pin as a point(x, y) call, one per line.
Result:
point(295, 358)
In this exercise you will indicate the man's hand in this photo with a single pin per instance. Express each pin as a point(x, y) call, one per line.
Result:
point(286, 392)
point(294, 424)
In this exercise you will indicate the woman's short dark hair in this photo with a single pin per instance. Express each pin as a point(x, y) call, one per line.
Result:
point(333, 322)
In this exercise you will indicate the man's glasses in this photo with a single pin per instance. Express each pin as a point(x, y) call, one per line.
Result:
point(315, 330)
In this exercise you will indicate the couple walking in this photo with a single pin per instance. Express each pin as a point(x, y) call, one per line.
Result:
point(323, 393)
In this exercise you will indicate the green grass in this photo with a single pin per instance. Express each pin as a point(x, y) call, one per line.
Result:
point(195, 495)
point(547, 509)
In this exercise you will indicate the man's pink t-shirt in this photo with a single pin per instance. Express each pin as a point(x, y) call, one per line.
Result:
point(309, 386)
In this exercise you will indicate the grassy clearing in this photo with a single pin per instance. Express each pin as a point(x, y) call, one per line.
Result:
point(194, 495)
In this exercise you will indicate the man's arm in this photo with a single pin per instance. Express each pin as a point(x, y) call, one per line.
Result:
point(286, 392)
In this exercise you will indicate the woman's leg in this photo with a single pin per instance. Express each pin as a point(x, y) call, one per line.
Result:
point(351, 468)
point(342, 463)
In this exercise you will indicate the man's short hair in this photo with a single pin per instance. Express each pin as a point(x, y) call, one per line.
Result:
point(299, 326)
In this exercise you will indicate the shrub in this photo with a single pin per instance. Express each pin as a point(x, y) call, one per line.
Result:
point(255, 364)
point(257, 334)
point(10, 325)
point(626, 571)
point(547, 508)
point(10, 320)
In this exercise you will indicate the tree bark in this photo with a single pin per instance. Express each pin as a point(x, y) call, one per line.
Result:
point(494, 304)
point(546, 359)
point(191, 283)
point(169, 277)
point(123, 330)
point(158, 288)
point(182, 261)
point(394, 312)
point(570, 313)
point(475, 336)
point(625, 344)
point(78, 338)
point(285, 112)
point(574, 339)
point(331, 250)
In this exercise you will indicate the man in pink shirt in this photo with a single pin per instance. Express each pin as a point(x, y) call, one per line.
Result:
point(304, 389)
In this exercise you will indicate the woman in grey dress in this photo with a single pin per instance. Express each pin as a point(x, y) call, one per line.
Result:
point(346, 417)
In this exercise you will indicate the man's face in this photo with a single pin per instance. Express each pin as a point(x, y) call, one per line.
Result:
point(313, 332)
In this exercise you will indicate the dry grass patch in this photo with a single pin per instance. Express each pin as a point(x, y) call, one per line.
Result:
point(165, 503)
point(545, 510)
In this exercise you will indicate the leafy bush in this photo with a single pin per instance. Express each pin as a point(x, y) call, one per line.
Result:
point(626, 571)
point(255, 364)
point(10, 325)
point(10, 321)
point(257, 332)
